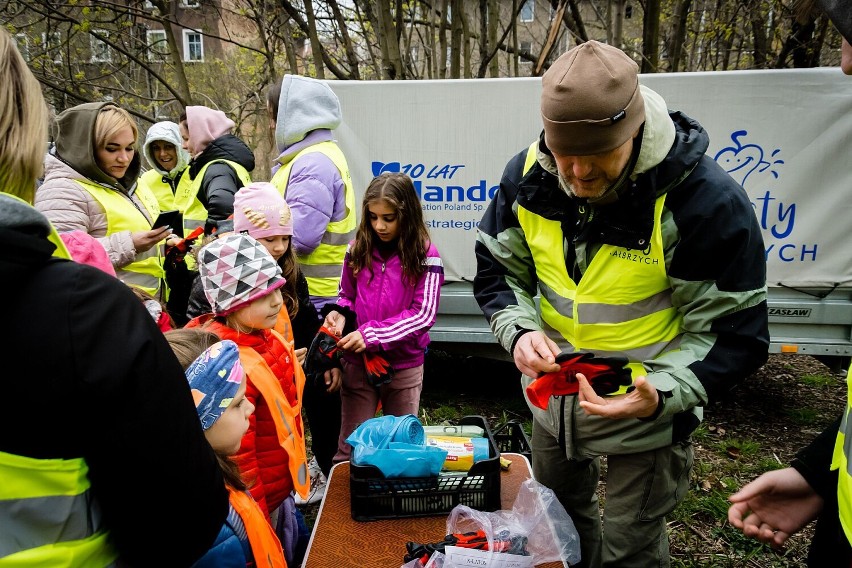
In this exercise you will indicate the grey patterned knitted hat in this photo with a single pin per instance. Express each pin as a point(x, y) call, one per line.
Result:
point(236, 270)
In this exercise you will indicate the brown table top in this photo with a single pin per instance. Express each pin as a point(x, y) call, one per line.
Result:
point(338, 541)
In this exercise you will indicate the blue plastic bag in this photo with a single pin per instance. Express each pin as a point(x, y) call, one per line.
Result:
point(396, 445)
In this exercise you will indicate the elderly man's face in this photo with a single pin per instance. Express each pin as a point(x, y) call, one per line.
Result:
point(590, 176)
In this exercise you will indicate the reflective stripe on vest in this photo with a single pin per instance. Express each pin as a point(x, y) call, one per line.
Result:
point(622, 304)
point(323, 267)
point(265, 546)
point(48, 516)
point(186, 194)
point(840, 461)
point(290, 436)
point(146, 272)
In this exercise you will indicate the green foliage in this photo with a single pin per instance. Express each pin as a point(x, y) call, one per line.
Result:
point(804, 416)
point(818, 380)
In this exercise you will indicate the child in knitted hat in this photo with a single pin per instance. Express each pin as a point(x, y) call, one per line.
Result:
point(218, 387)
point(261, 212)
point(242, 282)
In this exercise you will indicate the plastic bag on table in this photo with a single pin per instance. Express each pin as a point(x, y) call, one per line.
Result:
point(380, 431)
point(436, 560)
point(536, 515)
point(402, 460)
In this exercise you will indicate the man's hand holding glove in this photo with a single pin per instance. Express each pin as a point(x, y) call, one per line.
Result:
point(606, 375)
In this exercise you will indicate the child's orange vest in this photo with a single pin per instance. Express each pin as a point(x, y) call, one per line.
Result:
point(265, 546)
point(284, 415)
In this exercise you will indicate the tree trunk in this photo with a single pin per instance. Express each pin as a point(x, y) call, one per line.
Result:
point(316, 46)
point(651, 37)
point(551, 39)
point(442, 41)
point(351, 56)
point(678, 34)
point(455, 38)
point(493, 25)
point(387, 38)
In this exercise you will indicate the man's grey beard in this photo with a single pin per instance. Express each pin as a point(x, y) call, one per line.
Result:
point(566, 187)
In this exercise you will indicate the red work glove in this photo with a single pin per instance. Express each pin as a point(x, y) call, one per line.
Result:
point(605, 374)
point(379, 371)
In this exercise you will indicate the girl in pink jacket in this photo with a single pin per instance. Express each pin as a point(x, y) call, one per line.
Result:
point(388, 300)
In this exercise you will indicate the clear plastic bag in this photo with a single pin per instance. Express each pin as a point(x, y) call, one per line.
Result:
point(536, 515)
point(436, 560)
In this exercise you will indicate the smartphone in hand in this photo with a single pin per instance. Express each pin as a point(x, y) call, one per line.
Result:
point(173, 219)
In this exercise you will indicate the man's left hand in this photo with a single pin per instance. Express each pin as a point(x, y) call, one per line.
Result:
point(641, 402)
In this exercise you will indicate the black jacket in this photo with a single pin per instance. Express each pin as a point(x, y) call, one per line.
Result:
point(220, 181)
point(98, 380)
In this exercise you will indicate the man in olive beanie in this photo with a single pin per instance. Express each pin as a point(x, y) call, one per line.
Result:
point(639, 248)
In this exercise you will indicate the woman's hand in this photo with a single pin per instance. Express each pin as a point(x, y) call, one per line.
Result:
point(144, 240)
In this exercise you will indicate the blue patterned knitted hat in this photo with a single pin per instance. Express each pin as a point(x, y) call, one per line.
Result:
point(215, 378)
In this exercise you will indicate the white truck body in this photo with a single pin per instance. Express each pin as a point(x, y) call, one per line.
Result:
point(785, 136)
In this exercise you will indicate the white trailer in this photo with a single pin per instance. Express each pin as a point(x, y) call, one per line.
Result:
point(785, 136)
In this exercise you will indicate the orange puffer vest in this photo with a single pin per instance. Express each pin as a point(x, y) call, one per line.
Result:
point(263, 463)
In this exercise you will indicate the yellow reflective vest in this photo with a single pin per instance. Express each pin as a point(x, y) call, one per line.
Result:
point(186, 195)
point(146, 272)
point(840, 461)
point(162, 190)
point(622, 305)
point(49, 515)
point(323, 267)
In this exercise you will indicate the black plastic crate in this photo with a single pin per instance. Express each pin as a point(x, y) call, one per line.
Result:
point(372, 497)
point(511, 438)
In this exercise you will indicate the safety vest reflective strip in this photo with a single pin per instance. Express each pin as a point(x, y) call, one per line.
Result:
point(840, 461)
point(284, 415)
point(323, 267)
point(265, 546)
point(622, 304)
point(146, 272)
point(48, 516)
point(186, 194)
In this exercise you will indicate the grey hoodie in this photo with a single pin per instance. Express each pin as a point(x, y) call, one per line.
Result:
point(305, 104)
point(167, 131)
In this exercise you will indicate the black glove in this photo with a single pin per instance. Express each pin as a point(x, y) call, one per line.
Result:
point(323, 354)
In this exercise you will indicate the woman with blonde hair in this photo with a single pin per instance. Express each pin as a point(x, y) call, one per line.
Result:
point(91, 184)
